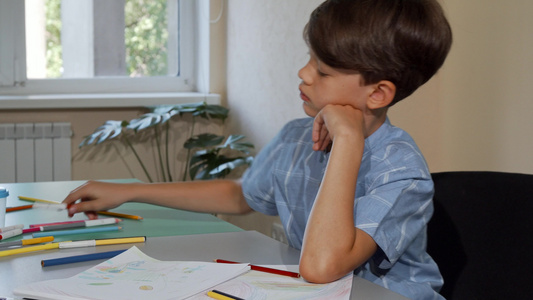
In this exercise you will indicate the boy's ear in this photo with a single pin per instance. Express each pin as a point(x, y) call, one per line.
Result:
point(382, 94)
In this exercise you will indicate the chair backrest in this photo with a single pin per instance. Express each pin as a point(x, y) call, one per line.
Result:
point(481, 234)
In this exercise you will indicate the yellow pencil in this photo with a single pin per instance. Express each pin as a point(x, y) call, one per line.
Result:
point(25, 242)
point(140, 239)
point(92, 243)
point(222, 296)
point(119, 215)
point(107, 213)
point(36, 200)
point(29, 249)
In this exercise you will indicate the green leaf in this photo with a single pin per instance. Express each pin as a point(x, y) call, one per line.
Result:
point(188, 108)
point(199, 162)
point(242, 147)
point(232, 139)
point(208, 165)
point(203, 140)
point(217, 112)
point(109, 130)
point(226, 168)
point(160, 115)
point(231, 142)
point(204, 110)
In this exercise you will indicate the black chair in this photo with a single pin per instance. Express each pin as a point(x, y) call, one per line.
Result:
point(481, 234)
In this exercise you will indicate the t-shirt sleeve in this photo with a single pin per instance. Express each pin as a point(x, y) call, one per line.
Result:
point(397, 205)
point(258, 180)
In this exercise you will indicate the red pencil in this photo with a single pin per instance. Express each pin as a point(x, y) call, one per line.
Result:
point(263, 269)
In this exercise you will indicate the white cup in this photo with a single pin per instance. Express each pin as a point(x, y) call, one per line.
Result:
point(3, 199)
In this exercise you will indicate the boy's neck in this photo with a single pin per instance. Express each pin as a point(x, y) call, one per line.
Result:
point(374, 120)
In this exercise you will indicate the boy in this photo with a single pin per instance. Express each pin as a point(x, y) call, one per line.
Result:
point(352, 191)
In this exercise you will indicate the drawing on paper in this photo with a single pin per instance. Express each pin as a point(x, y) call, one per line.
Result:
point(264, 286)
point(134, 275)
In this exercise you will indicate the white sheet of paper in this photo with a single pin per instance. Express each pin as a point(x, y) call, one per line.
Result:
point(256, 285)
point(134, 275)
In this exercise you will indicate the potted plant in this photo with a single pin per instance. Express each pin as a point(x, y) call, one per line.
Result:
point(209, 156)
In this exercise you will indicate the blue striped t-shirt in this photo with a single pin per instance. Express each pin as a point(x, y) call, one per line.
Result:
point(393, 201)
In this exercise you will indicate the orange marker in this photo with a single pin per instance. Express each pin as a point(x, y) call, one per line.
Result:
point(10, 209)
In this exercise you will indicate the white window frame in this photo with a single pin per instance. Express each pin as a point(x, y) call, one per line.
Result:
point(192, 83)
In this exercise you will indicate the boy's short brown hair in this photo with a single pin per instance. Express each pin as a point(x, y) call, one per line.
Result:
point(403, 41)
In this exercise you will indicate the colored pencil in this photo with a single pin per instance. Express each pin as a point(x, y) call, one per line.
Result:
point(137, 239)
point(25, 242)
point(120, 215)
point(55, 223)
point(263, 269)
point(10, 233)
point(101, 242)
point(80, 258)
point(30, 230)
point(85, 223)
point(16, 231)
point(12, 227)
point(107, 213)
point(16, 208)
point(29, 249)
point(77, 231)
point(215, 294)
point(36, 200)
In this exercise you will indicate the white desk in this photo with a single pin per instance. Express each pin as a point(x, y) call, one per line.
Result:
point(246, 246)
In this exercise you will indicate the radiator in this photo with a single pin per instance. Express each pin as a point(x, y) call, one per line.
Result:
point(31, 152)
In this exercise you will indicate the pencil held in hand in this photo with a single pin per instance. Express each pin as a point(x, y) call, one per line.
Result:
point(114, 214)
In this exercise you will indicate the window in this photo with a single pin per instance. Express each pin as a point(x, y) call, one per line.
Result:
point(101, 46)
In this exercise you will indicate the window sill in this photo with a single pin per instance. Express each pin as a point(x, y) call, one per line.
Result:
point(69, 101)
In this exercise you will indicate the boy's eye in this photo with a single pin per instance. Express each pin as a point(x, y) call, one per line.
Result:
point(321, 74)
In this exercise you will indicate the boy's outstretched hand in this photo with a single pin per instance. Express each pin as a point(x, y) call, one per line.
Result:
point(96, 196)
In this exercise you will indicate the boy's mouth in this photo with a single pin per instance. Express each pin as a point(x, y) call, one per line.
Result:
point(304, 96)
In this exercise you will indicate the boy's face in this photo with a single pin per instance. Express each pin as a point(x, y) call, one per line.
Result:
point(322, 85)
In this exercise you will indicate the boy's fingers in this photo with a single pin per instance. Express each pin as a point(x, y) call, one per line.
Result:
point(91, 215)
point(75, 194)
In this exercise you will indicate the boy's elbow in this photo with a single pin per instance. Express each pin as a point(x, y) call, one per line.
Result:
point(320, 271)
point(236, 203)
point(243, 208)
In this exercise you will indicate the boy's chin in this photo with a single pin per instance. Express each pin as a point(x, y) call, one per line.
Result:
point(310, 111)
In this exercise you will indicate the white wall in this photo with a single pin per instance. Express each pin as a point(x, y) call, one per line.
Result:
point(265, 52)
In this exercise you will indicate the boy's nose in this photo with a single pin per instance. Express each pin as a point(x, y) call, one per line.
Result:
point(304, 75)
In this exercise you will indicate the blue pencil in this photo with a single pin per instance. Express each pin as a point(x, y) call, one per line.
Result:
point(80, 258)
point(77, 231)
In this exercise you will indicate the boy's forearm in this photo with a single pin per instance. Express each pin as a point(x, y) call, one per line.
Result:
point(211, 196)
point(330, 249)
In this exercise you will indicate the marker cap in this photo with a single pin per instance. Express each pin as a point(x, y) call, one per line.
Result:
point(3, 192)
